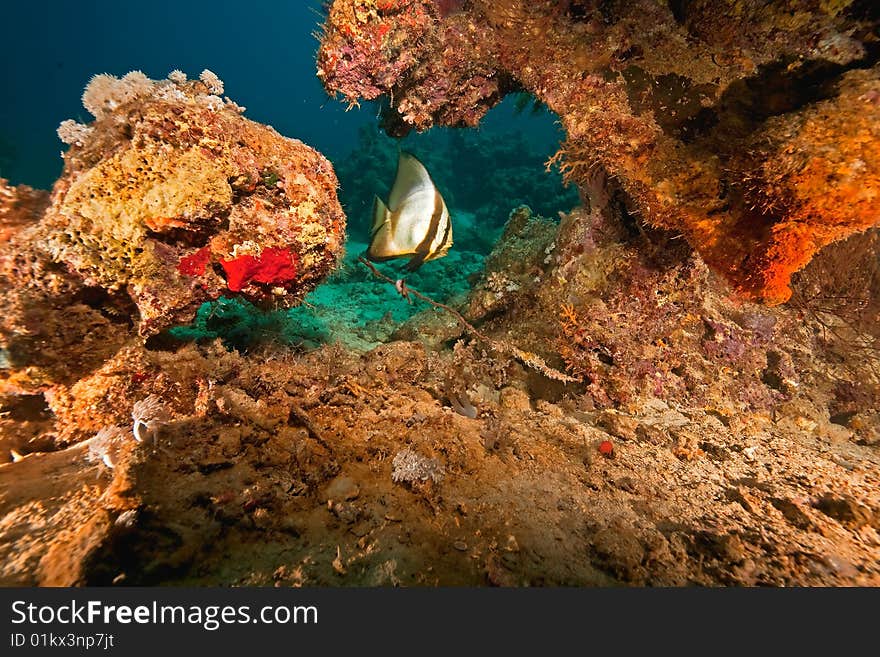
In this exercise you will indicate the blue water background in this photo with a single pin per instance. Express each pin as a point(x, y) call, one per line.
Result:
point(263, 51)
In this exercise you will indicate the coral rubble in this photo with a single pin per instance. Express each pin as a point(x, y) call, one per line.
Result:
point(750, 128)
point(711, 441)
point(331, 468)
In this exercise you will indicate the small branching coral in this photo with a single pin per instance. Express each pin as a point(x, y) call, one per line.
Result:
point(105, 93)
point(214, 84)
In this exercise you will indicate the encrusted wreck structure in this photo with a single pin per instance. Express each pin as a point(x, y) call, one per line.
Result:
point(750, 128)
point(713, 303)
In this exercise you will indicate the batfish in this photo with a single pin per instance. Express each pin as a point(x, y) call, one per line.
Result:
point(415, 223)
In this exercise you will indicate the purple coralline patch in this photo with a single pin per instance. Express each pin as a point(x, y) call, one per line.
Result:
point(723, 341)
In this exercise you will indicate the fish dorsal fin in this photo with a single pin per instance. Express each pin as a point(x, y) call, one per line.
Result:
point(380, 215)
point(412, 178)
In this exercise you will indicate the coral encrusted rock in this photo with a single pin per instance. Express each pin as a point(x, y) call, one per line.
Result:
point(168, 199)
point(52, 327)
point(173, 196)
point(751, 128)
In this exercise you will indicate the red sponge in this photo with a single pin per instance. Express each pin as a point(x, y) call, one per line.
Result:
point(273, 266)
point(195, 263)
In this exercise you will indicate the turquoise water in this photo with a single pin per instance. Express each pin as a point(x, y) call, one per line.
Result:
point(352, 307)
point(265, 54)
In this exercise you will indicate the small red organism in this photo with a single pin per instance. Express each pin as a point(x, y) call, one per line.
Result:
point(195, 263)
point(139, 377)
point(606, 448)
point(273, 267)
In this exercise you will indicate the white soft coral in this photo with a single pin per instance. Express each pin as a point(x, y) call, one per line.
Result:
point(149, 416)
point(104, 446)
